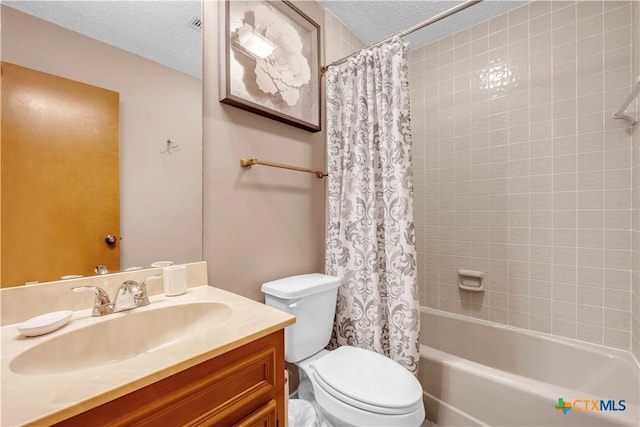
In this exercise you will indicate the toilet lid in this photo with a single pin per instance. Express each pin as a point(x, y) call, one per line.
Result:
point(368, 380)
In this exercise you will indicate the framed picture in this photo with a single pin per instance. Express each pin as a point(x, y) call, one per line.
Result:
point(270, 61)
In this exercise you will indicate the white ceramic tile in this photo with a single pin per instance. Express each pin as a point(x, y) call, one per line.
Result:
point(590, 180)
point(618, 239)
point(564, 145)
point(587, 9)
point(593, 199)
point(564, 328)
point(617, 219)
point(589, 26)
point(618, 78)
point(532, 184)
point(564, 255)
point(590, 295)
point(564, 274)
point(591, 315)
point(616, 57)
point(588, 276)
point(588, 46)
point(590, 333)
point(564, 182)
point(617, 36)
point(589, 65)
point(564, 237)
point(541, 272)
point(590, 257)
point(540, 288)
point(564, 164)
point(617, 338)
point(593, 238)
point(617, 259)
point(592, 219)
point(541, 236)
point(589, 142)
point(617, 319)
point(617, 300)
point(564, 14)
point(564, 218)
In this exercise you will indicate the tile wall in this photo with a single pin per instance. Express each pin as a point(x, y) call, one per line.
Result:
point(520, 171)
point(635, 286)
point(339, 41)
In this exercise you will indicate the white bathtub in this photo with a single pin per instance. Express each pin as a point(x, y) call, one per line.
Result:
point(478, 373)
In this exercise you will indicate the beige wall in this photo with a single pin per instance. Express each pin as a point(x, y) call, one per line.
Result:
point(522, 173)
point(264, 223)
point(161, 216)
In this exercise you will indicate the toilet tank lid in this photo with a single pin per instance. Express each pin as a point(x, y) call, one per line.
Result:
point(300, 286)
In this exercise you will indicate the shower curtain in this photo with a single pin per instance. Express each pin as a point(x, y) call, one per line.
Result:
point(370, 233)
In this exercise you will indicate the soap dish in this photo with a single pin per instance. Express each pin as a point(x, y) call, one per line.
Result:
point(44, 323)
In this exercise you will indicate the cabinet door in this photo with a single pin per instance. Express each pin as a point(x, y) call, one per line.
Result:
point(238, 385)
point(263, 417)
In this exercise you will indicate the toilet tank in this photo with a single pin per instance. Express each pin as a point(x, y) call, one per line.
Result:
point(312, 299)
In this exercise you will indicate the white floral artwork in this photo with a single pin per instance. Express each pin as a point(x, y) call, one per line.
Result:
point(281, 82)
point(286, 69)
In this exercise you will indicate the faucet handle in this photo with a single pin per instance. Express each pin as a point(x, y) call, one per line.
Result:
point(142, 285)
point(102, 304)
point(142, 298)
point(143, 282)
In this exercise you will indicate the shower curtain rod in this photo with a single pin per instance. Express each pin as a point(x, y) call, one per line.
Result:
point(416, 27)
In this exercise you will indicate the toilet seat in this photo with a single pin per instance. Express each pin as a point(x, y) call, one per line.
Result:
point(342, 414)
point(368, 381)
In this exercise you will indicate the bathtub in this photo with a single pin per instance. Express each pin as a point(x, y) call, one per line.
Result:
point(477, 373)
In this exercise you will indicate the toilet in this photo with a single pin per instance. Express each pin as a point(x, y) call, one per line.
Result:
point(351, 386)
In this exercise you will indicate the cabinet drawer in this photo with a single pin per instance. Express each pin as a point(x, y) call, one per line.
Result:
point(263, 417)
point(220, 391)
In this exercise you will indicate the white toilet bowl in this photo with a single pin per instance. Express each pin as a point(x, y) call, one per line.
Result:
point(357, 387)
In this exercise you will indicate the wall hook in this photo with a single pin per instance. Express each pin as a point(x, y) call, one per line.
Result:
point(171, 147)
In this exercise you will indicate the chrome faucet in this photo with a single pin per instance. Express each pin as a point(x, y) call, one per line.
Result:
point(102, 304)
point(101, 269)
point(130, 295)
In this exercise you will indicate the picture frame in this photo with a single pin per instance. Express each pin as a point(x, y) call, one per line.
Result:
point(270, 61)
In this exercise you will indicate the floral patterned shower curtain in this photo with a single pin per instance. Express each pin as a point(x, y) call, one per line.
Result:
point(370, 235)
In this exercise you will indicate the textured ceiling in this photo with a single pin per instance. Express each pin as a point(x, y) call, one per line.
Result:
point(376, 20)
point(157, 30)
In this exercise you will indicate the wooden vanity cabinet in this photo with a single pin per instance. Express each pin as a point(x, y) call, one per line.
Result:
point(243, 387)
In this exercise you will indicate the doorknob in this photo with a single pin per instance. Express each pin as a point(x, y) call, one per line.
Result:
point(110, 239)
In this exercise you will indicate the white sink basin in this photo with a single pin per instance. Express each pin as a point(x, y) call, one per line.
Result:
point(123, 336)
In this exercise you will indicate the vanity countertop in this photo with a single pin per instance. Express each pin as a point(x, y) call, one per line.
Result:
point(50, 398)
